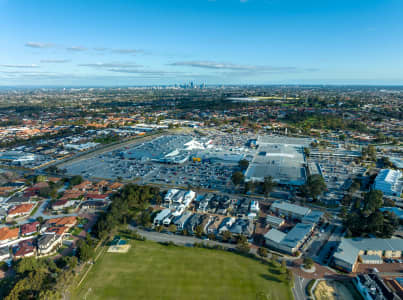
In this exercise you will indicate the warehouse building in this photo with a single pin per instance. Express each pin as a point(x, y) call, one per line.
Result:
point(274, 222)
point(282, 208)
point(349, 250)
point(289, 242)
point(388, 181)
point(284, 163)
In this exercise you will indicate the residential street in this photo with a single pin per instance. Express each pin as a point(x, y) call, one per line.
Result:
point(177, 239)
point(298, 290)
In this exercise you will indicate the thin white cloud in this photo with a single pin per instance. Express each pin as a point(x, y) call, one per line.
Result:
point(76, 48)
point(238, 68)
point(38, 45)
point(19, 66)
point(110, 65)
point(128, 51)
point(55, 61)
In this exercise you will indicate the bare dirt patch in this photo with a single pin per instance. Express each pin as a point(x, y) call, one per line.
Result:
point(332, 290)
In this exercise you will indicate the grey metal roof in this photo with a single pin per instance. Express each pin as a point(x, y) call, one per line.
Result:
point(299, 232)
point(275, 235)
point(349, 248)
point(274, 220)
point(286, 206)
point(285, 163)
point(181, 220)
point(313, 217)
point(273, 139)
point(162, 215)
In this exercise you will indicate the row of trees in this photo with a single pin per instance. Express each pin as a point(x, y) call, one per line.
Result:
point(40, 278)
point(265, 187)
point(128, 204)
point(367, 219)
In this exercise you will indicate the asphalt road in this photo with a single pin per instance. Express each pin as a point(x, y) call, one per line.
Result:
point(177, 239)
point(299, 288)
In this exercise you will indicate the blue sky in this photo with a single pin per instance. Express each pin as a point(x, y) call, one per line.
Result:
point(218, 42)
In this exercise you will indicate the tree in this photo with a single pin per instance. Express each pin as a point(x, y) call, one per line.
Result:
point(237, 178)
point(172, 228)
point(75, 180)
point(85, 251)
point(274, 259)
point(343, 212)
point(315, 186)
point(243, 164)
point(211, 236)
point(226, 236)
point(199, 231)
point(289, 276)
point(308, 262)
point(268, 185)
point(242, 244)
point(262, 252)
point(283, 266)
point(249, 186)
point(307, 151)
point(373, 200)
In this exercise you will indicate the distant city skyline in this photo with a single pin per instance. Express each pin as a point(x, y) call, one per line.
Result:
point(123, 43)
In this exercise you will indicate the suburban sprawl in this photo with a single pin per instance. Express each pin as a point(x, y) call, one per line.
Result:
point(191, 191)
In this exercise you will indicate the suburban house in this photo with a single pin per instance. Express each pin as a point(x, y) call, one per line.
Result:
point(48, 242)
point(161, 216)
point(115, 186)
point(58, 230)
point(242, 227)
point(8, 234)
point(206, 221)
point(214, 225)
point(180, 221)
point(61, 204)
point(100, 197)
point(63, 221)
point(93, 204)
point(71, 195)
point(25, 249)
point(193, 221)
point(29, 228)
point(226, 224)
point(20, 210)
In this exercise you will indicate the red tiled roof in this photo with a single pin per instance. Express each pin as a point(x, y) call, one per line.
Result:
point(60, 202)
point(29, 228)
point(24, 248)
point(58, 230)
point(96, 196)
point(69, 221)
point(21, 209)
point(7, 233)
